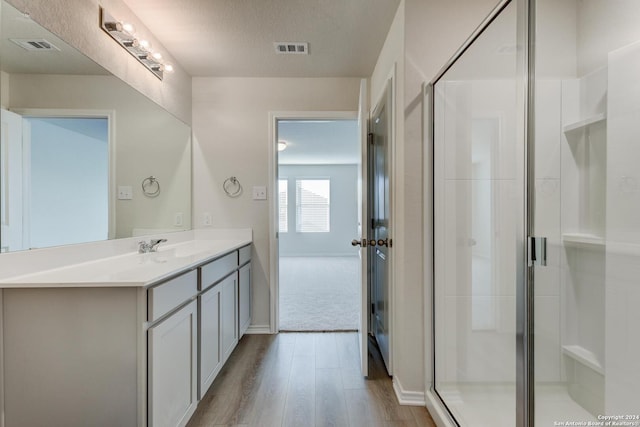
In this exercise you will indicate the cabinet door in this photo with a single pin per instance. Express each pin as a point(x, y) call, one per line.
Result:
point(210, 360)
point(229, 315)
point(244, 299)
point(172, 368)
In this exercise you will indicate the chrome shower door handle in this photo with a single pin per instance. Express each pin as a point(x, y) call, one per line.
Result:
point(537, 251)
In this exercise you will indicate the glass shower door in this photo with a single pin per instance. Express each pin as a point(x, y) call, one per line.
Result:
point(587, 204)
point(479, 226)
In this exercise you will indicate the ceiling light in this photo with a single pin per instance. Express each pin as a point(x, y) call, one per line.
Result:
point(124, 34)
point(282, 145)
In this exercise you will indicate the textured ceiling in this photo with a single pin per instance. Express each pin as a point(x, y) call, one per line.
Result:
point(235, 37)
point(15, 59)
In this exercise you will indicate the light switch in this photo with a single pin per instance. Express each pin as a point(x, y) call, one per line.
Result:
point(178, 220)
point(125, 192)
point(206, 218)
point(259, 193)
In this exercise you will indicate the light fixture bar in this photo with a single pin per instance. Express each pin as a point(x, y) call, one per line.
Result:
point(124, 34)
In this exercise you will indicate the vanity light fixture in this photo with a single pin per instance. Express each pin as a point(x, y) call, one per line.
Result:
point(124, 33)
point(282, 145)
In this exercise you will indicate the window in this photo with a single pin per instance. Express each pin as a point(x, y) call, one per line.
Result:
point(312, 205)
point(283, 205)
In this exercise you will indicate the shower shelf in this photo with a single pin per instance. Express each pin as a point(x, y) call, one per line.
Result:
point(596, 118)
point(583, 356)
point(582, 239)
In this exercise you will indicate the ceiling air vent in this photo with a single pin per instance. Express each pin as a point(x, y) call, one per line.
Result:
point(35, 45)
point(292, 48)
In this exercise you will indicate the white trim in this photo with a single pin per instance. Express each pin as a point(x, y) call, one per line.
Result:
point(438, 413)
point(110, 115)
point(406, 397)
point(363, 208)
point(258, 330)
point(272, 188)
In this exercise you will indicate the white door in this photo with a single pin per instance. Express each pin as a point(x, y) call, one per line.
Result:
point(12, 183)
point(364, 218)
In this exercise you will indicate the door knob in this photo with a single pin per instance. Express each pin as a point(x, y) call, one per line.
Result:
point(363, 243)
point(356, 242)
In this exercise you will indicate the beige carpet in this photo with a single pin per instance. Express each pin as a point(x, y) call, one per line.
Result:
point(319, 293)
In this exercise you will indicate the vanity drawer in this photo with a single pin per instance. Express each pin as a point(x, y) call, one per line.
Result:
point(216, 270)
point(244, 254)
point(169, 295)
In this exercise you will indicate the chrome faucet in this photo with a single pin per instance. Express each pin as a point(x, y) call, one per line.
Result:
point(150, 246)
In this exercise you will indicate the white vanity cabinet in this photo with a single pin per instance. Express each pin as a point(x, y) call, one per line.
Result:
point(172, 351)
point(138, 351)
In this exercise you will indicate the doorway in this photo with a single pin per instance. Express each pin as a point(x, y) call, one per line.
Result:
point(57, 157)
point(317, 179)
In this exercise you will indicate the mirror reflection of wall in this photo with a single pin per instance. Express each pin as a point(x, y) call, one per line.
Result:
point(69, 180)
point(145, 139)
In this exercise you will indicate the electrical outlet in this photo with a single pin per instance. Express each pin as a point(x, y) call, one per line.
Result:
point(178, 220)
point(206, 218)
point(125, 192)
point(259, 193)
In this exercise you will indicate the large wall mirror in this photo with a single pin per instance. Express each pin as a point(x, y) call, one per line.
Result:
point(84, 157)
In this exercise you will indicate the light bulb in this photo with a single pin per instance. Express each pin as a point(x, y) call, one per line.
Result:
point(282, 145)
point(168, 68)
point(144, 44)
point(128, 28)
point(156, 55)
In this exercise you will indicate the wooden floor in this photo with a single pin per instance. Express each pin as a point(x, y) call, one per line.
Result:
point(303, 380)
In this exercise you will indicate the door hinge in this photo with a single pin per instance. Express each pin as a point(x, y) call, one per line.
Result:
point(373, 308)
point(537, 251)
point(370, 138)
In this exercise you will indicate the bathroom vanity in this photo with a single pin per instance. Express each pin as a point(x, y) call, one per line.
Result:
point(125, 340)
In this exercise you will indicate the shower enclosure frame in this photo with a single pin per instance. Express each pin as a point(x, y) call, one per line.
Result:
point(524, 270)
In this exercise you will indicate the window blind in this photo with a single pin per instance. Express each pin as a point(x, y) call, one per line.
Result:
point(313, 205)
point(283, 205)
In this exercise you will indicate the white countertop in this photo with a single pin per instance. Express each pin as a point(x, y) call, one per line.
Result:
point(130, 269)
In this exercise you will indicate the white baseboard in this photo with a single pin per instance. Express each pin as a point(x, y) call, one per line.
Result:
point(405, 397)
point(258, 329)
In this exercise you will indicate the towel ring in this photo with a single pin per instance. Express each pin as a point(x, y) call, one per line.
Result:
point(150, 186)
point(232, 187)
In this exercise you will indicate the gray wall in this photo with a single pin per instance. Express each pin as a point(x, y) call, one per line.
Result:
point(343, 213)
